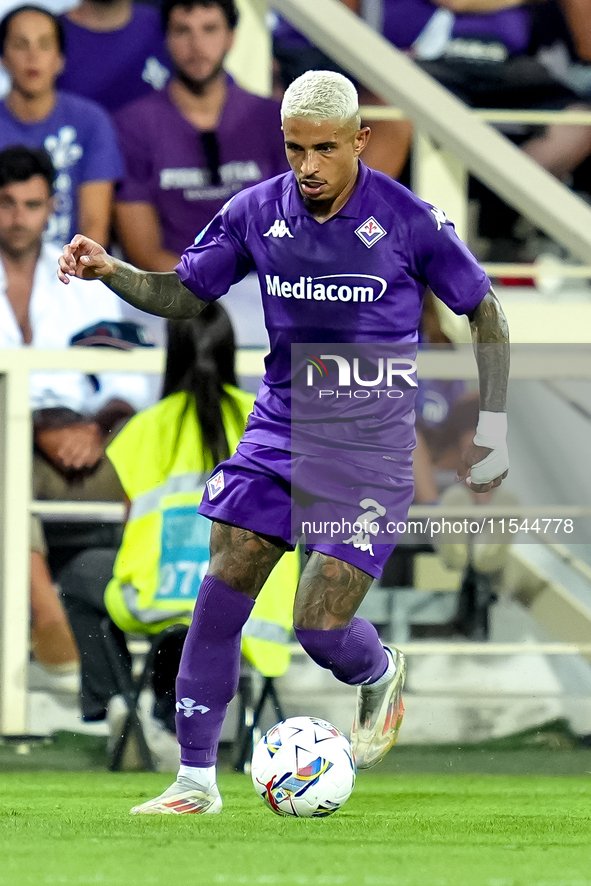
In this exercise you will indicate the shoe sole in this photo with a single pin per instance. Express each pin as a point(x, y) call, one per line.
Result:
point(187, 803)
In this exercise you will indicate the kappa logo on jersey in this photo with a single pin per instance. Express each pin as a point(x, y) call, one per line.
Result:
point(440, 217)
point(278, 229)
point(370, 232)
point(215, 484)
point(189, 707)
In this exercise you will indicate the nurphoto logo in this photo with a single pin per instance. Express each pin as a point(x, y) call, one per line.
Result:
point(387, 372)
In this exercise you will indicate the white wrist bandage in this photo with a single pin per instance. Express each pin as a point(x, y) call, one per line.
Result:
point(491, 430)
point(492, 433)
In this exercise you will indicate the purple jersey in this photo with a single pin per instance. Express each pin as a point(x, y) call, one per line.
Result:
point(405, 19)
point(167, 165)
point(116, 67)
point(81, 140)
point(358, 277)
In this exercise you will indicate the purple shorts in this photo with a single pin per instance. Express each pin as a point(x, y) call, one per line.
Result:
point(344, 511)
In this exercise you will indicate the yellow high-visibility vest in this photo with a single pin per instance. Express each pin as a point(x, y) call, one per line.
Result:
point(165, 549)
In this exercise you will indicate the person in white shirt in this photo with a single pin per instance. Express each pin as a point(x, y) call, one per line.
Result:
point(74, 415)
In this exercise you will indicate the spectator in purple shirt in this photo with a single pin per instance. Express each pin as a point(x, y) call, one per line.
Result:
point(115, 52)
point(189, 148)
point(75, 132)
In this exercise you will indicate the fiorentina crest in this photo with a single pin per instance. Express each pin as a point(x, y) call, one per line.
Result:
point(215, 484)
point(370, 232)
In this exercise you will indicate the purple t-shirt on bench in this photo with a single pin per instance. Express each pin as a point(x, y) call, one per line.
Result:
point(358, 277)
point(405, 19)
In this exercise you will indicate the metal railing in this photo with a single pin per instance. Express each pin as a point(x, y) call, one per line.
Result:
point(16, 465)
point(452, 141)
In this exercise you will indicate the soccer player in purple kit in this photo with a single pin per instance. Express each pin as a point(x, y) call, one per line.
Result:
point(310, 222)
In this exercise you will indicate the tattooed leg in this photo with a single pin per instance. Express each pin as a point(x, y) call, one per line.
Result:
point(242, 559)
point(328, 596)
point(240, 562)
point(329, 593)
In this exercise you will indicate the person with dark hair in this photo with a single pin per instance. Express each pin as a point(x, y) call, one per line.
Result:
point(35, 311)
point(19, 164)
point(228, 8)
point(193, 145)
point(29, 7)
point(115, 52)
point(76, 133)
point(163, 456)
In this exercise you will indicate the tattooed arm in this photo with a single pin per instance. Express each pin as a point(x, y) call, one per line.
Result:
point(486, 459)
point(162, 294)
point(490, 335)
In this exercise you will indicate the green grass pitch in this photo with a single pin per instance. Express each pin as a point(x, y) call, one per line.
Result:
point(396, 830)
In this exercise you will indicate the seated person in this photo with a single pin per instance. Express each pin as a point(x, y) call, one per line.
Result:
point(562, 43)
point(76, 133)
point(53, 646)
point(189, 148)
point(72, 419)
point(127, 39)
point(482, 57)
point(163, 457)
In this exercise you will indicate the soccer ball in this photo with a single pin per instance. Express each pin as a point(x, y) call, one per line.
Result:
point(303, 767)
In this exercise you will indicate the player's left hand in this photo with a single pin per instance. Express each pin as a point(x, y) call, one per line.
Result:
point(474, 456)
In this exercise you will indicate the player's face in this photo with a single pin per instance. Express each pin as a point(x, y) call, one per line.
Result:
point(324, 157)
point(198, 40)
point(32, 54)
point(25, 208)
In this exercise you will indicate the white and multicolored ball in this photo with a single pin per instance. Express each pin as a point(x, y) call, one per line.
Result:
point(303, 767)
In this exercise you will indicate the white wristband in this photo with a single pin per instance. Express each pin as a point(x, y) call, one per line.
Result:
point(491, 430)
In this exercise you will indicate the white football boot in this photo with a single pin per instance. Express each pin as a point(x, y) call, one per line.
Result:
point(378, 716)
point(183, 797)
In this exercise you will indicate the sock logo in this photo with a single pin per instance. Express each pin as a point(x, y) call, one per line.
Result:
point(188, 706)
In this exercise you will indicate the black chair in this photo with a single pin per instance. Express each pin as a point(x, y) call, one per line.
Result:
point(251, 705)
point(130, 688)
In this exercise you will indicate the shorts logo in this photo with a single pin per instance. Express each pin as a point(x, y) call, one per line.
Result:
point(278, 229)
point(216, 484)
point(370, 232)
point(366, 525)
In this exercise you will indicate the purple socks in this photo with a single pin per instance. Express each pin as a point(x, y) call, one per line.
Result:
point(210, 664)
point(354, 654)
point(209, 670)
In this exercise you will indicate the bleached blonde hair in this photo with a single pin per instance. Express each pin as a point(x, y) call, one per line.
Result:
point(321, 95)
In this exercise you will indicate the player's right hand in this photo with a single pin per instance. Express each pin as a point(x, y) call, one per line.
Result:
point(82, 257)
